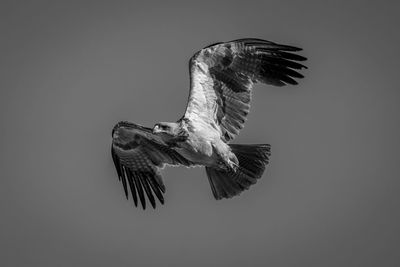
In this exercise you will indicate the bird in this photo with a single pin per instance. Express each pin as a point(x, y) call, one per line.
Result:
point(222, 77)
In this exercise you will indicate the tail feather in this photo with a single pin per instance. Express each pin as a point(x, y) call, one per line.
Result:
point(253, 160)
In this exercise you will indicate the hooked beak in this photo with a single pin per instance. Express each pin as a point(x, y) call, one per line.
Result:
point(156, 129)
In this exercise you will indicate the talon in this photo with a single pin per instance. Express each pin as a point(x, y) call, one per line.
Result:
point(234, 166)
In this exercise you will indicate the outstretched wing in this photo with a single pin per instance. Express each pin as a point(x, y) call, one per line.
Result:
point(138, 156)
point(222, 76)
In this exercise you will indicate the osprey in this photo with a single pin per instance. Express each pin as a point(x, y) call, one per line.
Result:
point(221, 81)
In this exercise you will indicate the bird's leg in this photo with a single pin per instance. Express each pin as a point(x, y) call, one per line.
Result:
point(233, 162)
point(226, 159)
point(228, 165)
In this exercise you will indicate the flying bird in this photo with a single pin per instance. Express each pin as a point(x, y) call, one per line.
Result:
point(222, 76)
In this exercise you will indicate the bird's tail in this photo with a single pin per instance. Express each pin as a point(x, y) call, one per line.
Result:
point(253, 160)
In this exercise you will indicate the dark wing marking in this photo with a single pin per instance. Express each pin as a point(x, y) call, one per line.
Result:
point(222, 77)
point(138, 163)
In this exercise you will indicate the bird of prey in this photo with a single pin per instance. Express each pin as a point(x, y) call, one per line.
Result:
point(222, 76)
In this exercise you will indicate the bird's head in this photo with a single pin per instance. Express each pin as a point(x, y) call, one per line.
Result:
point(168, 128)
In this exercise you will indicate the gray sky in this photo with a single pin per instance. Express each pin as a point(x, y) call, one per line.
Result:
point(70, 71)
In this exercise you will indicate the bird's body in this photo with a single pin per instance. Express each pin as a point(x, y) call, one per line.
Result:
point(203, 144)
point(222, 76)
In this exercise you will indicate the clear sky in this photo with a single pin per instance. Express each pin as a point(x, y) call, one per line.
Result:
point(71, 70)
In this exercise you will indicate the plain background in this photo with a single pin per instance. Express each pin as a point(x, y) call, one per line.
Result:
point(71, 70)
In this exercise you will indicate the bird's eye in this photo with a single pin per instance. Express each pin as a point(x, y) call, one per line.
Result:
point(161, 127)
